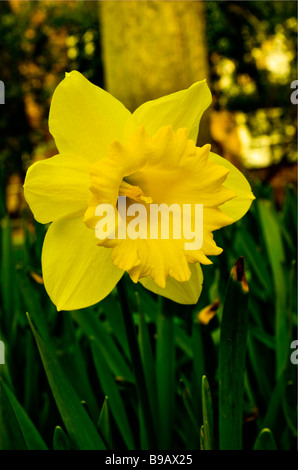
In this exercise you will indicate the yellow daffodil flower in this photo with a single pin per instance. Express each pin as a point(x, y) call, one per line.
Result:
point(149, 156)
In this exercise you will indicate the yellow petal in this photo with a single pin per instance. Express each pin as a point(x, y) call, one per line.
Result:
point(155, 258)
point(76, 272)
point(57, 187)
point(84, 119)
point(181, 109)
point(235, 181)
point(180, 292)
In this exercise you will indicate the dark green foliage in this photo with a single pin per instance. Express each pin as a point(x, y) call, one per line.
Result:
point(73, 380)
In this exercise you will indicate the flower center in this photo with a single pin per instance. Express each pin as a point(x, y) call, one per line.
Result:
point(174, 172)
point(133, 192)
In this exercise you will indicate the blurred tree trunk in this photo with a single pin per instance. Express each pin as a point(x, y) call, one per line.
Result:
point(152, 48)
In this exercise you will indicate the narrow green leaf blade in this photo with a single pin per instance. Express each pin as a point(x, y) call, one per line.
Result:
point(137, 364)
point(265, 441)
point(232, 354)
point(274, 245)
point(104, 424)
point(11, 437)
point(110, 389)
point(198, 368)
point(165, 374)
point(189, 406)
point(93, 329)
point(60, 440)
point(73, 364)
point(207, 415)
point(79, 426)
point(248, 248)
point(30, 434)
point(148, 365)
point(202, 438)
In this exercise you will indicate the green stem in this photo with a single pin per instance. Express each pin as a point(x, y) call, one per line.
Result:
point(165, 372)
point(137, 365)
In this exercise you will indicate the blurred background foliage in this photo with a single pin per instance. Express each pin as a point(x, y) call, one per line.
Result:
point(246, 49)
point(139, 51)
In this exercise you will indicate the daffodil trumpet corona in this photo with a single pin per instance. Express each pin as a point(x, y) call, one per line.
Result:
point(130, 192)
point(157, 221)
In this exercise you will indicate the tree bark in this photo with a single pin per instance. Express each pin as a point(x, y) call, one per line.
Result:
point(152, 48)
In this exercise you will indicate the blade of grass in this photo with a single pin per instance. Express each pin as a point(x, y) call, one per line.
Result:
point(265, 441)
point(92, 328)
point(232, 353)
point(289, 399)
point(31, 301)
point(137, 364)
point(207, 415)
point(262, 336)
point(111, 307)
point(31, 372)
point(11, 436)
point(199, 354)
point(148, 363)
point(183, 341)
point(202, 438)
point(104, 424)
point(255, 259)
point(274, 245)
point(165, 373)
point(72, 362)
point(61, 440)
point(272, 419)
point(189, 406)
point(30, 434)
point(79, 426)
point(259, 359)
point(110, 389)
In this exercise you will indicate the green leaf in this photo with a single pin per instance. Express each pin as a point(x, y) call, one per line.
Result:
point(265, 441)
point(207, 415)
point(247, 246)
point(260, 357)
point(60, 440)
point(31, 300)
point(94, 330)
point(104, 424)
point(273, 418)
point(183, 341)
point(72, 362)
point(202, 438)
point(262, 336)
point(165, 373)
point(274, 245)
point(232, 354)
point(11, 436)
point(79, 426)
point(198, 368)
point(110, 389)
point(189, 406)
point(111, 307)
point(148, 365)
point(31, 436)
point(143, 399)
